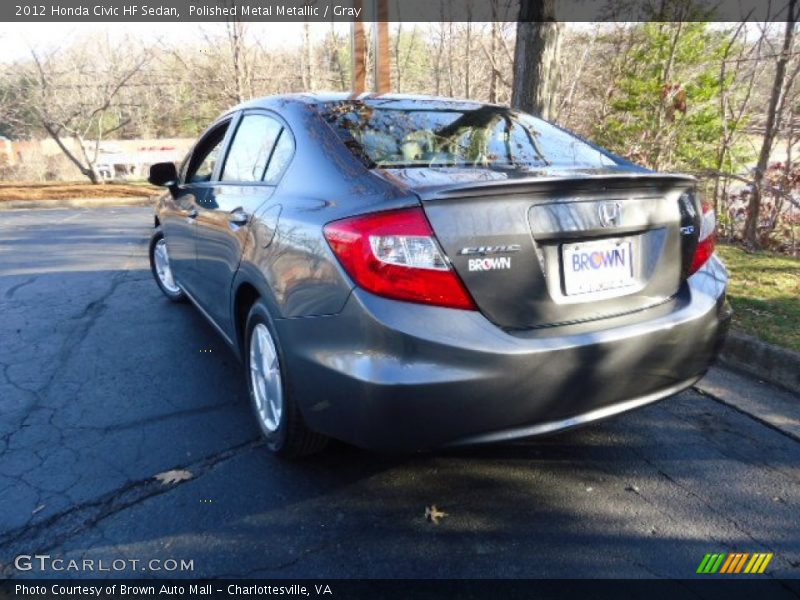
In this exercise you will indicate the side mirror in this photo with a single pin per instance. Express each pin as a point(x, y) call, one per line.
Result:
point(164, 174)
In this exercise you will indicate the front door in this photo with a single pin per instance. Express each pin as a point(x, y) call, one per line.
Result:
point(180, 226)
point(225, 213)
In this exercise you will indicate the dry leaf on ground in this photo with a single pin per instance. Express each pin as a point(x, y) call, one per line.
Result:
point(433, 514)
point(173, 476)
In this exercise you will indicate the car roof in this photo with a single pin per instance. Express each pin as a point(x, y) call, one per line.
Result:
point(397, 100)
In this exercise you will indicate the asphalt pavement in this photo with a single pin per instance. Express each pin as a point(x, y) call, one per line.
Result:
point(105, 384)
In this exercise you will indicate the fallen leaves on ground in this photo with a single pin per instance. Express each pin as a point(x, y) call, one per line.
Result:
point(433, 514)
point(22, 190)
point(174, 476)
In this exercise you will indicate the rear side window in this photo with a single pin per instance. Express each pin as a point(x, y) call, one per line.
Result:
point(281, 156)
point(251, 148)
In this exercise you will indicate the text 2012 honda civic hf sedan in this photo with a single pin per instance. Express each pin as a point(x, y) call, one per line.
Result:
point(407, 273)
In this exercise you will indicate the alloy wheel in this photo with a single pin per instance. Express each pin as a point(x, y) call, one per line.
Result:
point(265, 378)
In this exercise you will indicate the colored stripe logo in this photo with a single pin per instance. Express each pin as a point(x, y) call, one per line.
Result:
point(736, 562)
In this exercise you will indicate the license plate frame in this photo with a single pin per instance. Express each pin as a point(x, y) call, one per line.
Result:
point(598, 266)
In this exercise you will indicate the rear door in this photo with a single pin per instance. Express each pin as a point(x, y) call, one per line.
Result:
point(246, 183)
point(179, 222)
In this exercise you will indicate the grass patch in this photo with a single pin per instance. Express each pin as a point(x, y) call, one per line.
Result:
point(764, 290)
point(22, 190)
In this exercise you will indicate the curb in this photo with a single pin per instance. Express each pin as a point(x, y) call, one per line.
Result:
point(79, 202)
point(764, 361)
point(761, 401)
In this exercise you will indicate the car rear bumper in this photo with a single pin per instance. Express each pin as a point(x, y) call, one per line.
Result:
point(424, 377)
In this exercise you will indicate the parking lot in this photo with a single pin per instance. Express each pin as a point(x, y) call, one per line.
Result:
point(105, 384)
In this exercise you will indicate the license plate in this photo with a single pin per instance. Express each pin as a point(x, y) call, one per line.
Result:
point(597, 266)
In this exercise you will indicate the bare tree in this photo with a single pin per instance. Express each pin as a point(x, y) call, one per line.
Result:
point(536, 57)
point(732, 114)
point(335, 41)
point(308, 58)
point(358, 54)
point(491, 54)
point(225, 62)
point(73, 95)
point(468, 53)
point(780, 85)
point(240, 63)
point(565, 106)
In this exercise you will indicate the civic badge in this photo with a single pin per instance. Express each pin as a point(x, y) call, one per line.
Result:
point(609, 213)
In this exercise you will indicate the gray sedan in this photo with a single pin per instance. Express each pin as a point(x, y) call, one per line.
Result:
point(406, 273)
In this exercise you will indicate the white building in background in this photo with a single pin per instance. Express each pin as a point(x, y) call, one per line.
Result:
point(117, 159)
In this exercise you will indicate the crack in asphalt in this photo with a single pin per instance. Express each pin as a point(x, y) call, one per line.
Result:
point(13, 289)
point(281, 565)
point(755, 417)
point(189, 412)
point(704, 501)
point(60, 527)
point(86, 319)
point(726, 451)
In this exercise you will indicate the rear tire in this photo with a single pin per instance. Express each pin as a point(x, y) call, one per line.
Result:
point(161, 269)
point(274, 407)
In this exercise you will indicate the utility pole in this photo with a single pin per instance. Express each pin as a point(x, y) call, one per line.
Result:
point(380, 38)
point(383, 84)
point(358, 52)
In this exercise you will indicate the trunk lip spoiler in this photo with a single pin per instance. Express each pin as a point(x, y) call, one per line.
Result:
point(521, 186)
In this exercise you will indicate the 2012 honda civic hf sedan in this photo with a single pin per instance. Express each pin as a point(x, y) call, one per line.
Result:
point(406, 273)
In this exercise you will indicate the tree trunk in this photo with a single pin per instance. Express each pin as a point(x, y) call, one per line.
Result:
point(536, 58)
point(493, 53)
point(235, 41)
point(398, 63)
point(468, 56)
point(383, 67)
point(450, 60)
point(770, 129)
point(88, 170)
point(336, 59)
point(358, 56)
point(308, 59)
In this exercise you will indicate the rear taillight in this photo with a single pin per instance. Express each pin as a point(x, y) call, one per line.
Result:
point(707, 239)
point(395, 254)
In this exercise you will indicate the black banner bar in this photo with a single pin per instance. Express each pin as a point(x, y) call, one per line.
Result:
point(707, 588)
point(398, 10)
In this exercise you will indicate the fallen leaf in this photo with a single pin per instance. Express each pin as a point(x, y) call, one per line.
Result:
point(433, 514)
point(174, 476)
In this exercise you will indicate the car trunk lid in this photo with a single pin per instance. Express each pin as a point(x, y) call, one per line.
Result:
point(563, 247)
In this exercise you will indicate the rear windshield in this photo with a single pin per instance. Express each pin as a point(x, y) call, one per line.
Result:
point(438, 134)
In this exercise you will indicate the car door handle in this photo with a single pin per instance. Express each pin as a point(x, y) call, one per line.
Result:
point(238, 217)
point(192, 214)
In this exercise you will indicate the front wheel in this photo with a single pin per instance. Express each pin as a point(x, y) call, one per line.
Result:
point(162, 269)
point(276, 412)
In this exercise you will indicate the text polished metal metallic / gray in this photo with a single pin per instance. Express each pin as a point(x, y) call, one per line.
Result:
point(407, 272)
